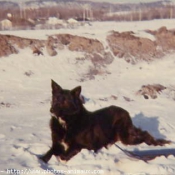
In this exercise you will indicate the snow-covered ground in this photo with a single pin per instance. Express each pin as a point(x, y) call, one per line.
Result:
point(25, 101)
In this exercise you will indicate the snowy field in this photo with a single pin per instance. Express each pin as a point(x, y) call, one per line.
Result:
point(25, 102)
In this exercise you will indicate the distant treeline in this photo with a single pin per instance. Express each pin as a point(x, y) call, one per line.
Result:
point(90, 13)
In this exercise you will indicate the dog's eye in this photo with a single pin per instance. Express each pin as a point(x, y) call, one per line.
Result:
point(76, 100)
point(60, 99)
point(57, 100)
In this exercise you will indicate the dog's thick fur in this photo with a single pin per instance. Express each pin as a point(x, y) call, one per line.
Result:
point(74, 128)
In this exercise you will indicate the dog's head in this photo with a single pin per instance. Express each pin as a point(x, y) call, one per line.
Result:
point(65, 102)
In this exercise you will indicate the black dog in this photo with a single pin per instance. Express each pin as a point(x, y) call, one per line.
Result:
point(74, 128)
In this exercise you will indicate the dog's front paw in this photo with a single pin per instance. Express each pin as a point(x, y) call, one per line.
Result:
point(44, 158)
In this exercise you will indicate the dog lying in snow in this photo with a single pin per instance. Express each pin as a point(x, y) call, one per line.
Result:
point(74, 128)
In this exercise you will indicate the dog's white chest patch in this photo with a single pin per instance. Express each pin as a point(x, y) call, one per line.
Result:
point(62, 122)
point(65, 145)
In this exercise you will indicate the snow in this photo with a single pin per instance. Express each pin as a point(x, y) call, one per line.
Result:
point(72, 21)
point(24, 121)
point(54, 21)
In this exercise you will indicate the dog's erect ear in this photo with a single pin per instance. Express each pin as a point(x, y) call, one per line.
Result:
point(55, 87)
point(76, 91)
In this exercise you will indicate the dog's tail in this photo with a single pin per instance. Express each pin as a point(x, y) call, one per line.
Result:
point(144, 136)
point(129, 134)
point(136, 136)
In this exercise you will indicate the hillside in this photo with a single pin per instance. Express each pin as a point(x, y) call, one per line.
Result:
point(127, 45)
